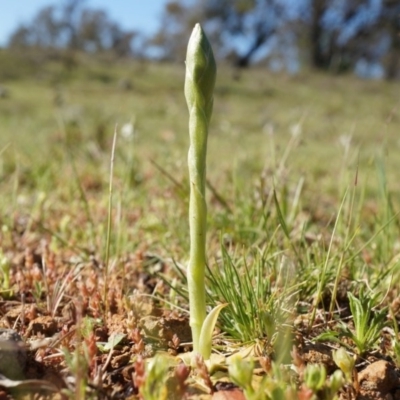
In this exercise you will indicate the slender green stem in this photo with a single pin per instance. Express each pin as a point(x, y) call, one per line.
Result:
point(199, 87)
point(109, 224)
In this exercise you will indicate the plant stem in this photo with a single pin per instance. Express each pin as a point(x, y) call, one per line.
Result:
point(199, 87)
point(109, 224)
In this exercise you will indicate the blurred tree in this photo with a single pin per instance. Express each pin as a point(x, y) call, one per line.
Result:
point(176, 24)
point(347, 33)
point(342, 34)
point(21, 37)
point(71, 26)
point(334, 35)
point(70, 12)
point(392, 16)
point(319, 54)
point(44, 31)
point(258, 22)
point(358, 34)
point(239, 29)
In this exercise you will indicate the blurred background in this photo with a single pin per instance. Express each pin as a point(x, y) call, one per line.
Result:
point(322, 75)
point(306, 98)
point(337, 36)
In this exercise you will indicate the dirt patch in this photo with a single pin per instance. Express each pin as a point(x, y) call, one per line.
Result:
point(379, 380)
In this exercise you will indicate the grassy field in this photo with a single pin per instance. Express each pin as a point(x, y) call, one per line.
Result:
point(303, 231)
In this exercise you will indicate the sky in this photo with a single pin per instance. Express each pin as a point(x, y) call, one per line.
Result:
point(141, 15)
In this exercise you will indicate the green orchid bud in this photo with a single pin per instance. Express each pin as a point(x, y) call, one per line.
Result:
point(5, 267)
point(241, 372)
point(315, 376)
point(155, 387)
point(336, 381)
point(344, 361)
point(201, 72)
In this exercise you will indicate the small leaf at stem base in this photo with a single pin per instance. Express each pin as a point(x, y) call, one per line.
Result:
point(207, 331)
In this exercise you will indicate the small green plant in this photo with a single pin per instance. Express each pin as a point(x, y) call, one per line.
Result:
point(55, 295)
point(315, 376)
point(395, 339)
point(151, 378)
point(396, 350)
point(77, 362)
point(38, 291)
point(345, 362)
point(241, 373)
point(199, 87)
point(113, 340)
point(322, 388)
point(278, 384)
point(275, 385)
point(5, 269)
point(368, 323)
point(256, 307)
